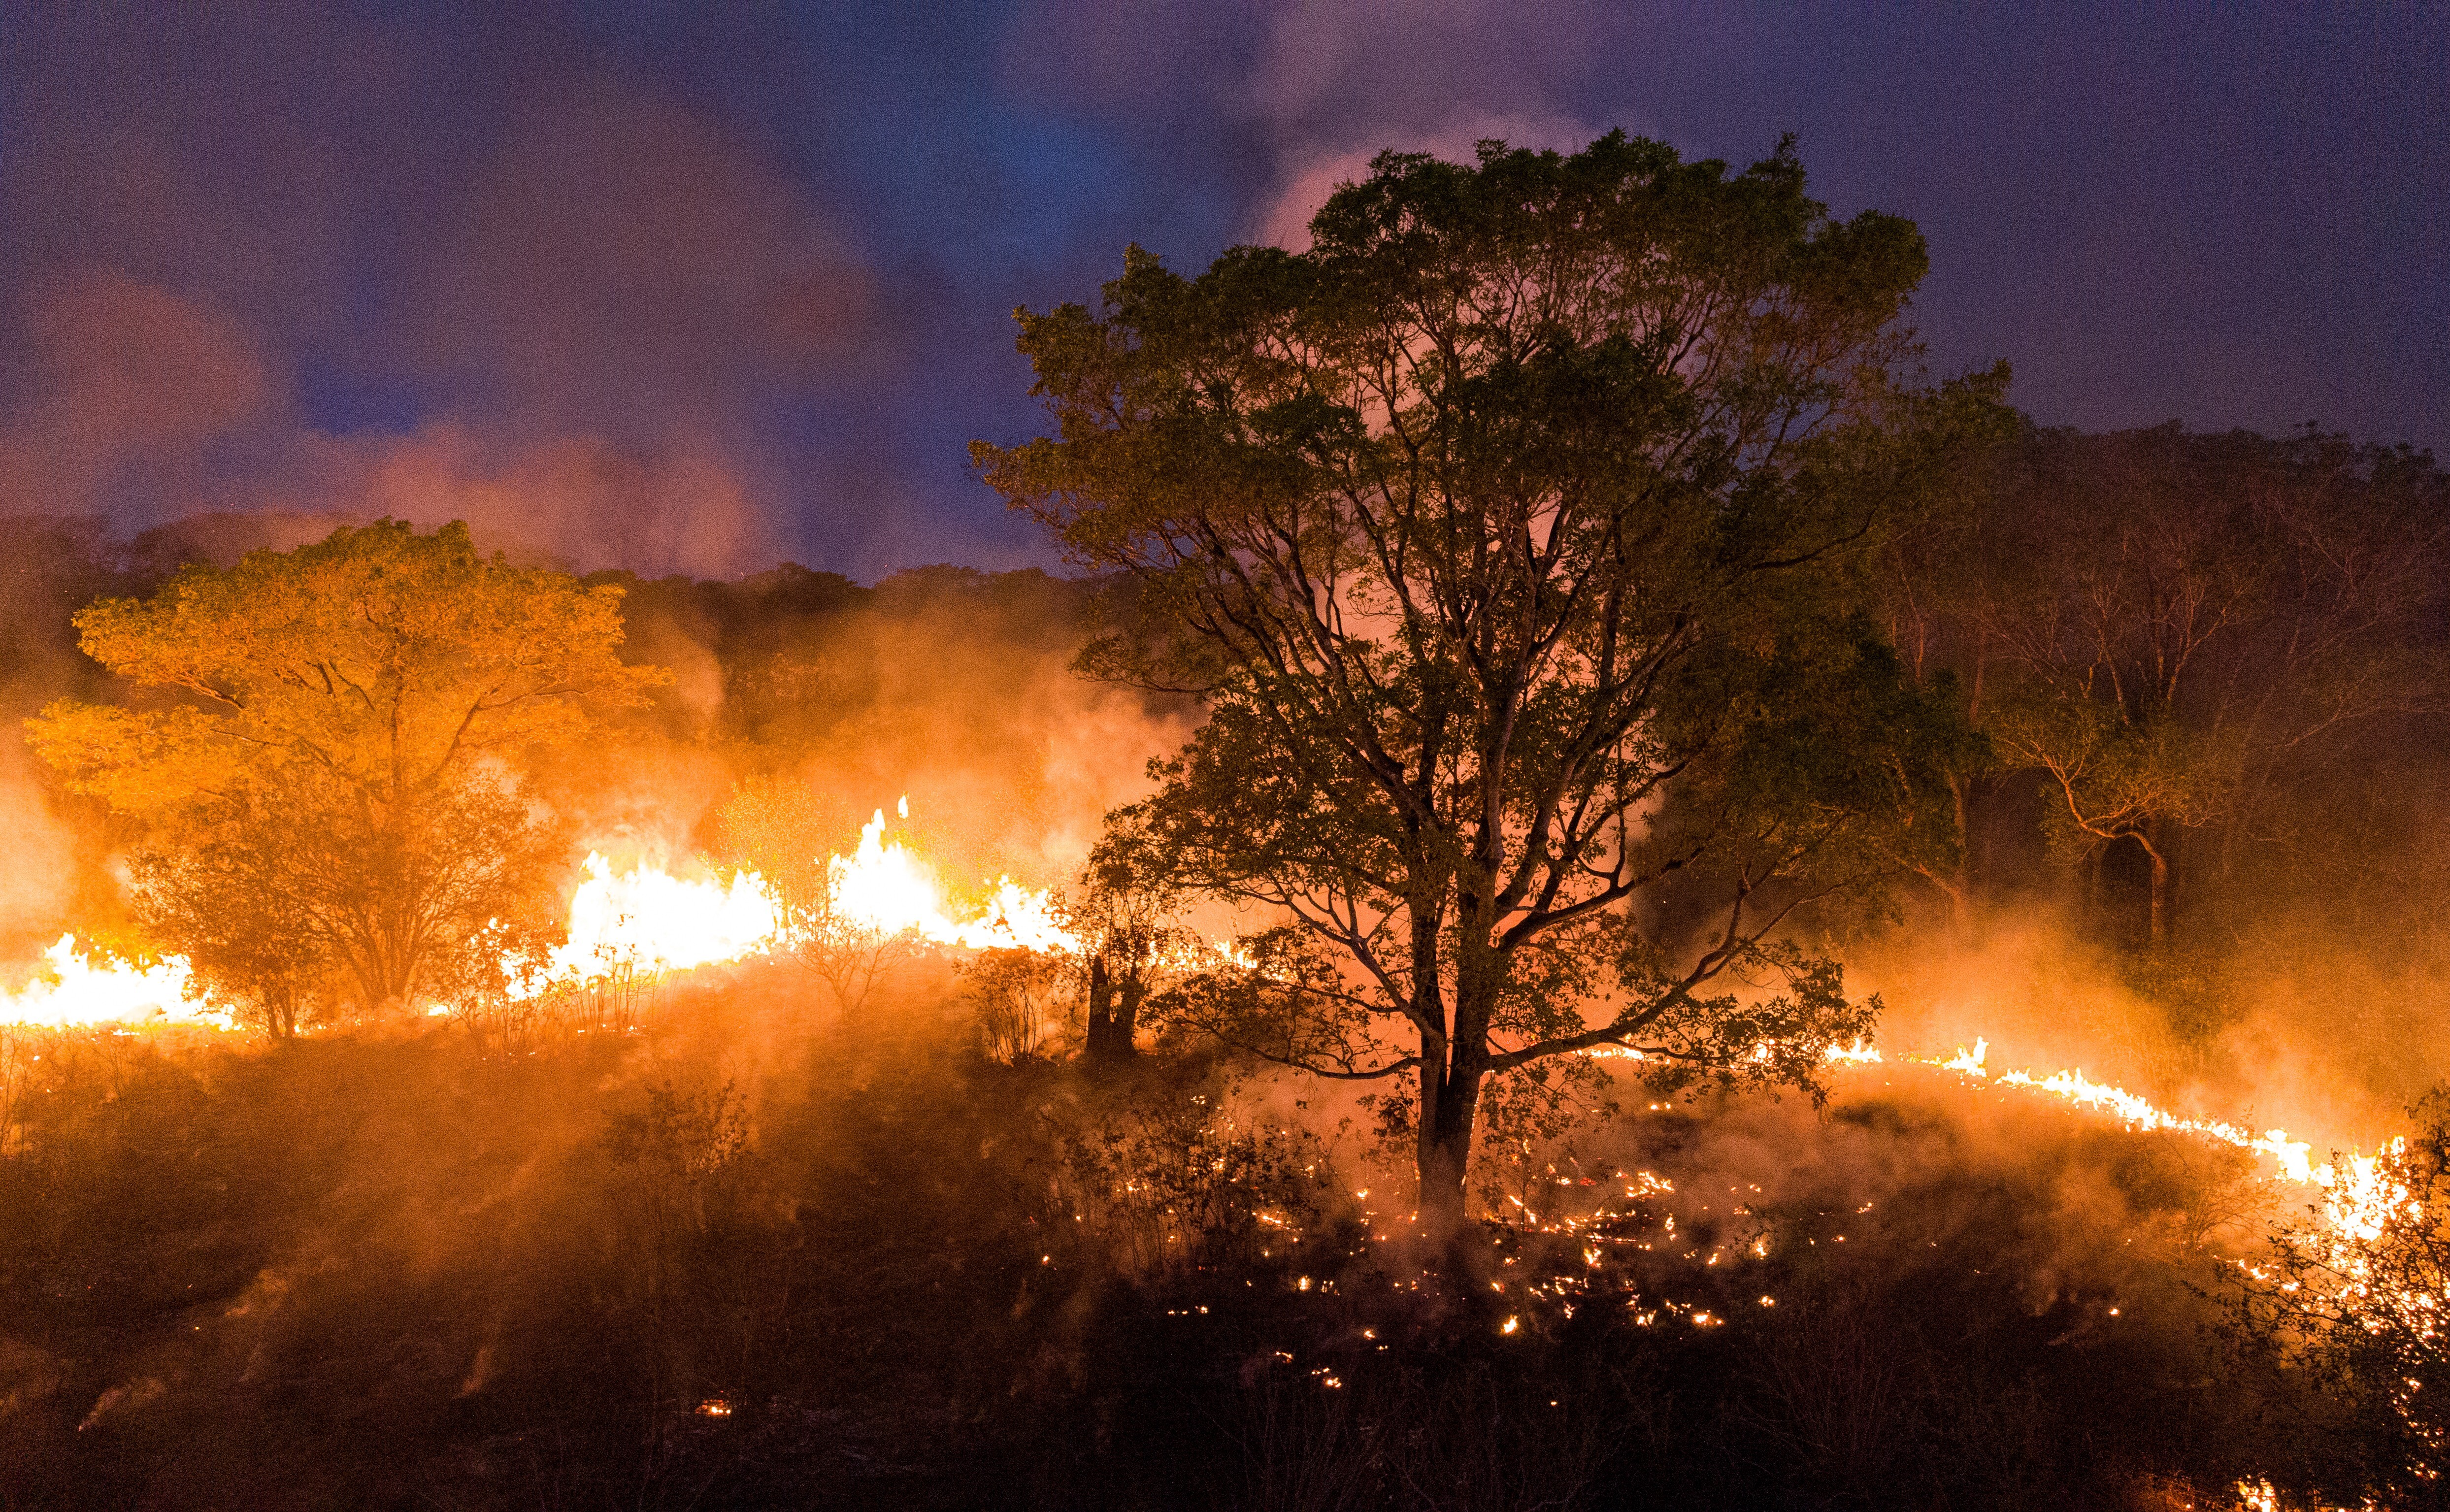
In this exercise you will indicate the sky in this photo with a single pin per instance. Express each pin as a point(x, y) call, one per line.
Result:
point(687, 287)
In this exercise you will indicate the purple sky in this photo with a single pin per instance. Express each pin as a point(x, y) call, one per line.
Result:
point(691, 294)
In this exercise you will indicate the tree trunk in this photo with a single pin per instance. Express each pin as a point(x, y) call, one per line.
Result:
point(1101, 1009)
point(1127, 1016)
point(1449, 1109)
point(1446, 1157)
point(1960, 892)
point(1114, 1009)
point(2157, 910)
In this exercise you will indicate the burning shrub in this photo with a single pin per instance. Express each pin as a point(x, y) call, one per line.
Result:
point(1020, 999)
point(2353, 1302)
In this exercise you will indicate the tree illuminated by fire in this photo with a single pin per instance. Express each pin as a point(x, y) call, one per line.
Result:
point(1501, 533)
point(328, 746)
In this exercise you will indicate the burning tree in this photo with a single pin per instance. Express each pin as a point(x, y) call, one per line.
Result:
point(1506, 533)
point(329, 759)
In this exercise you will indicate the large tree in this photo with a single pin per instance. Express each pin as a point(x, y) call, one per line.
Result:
point(1505, 532)
point(328, 746)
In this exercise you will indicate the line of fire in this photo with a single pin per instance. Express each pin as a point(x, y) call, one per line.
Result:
point(1590, 891)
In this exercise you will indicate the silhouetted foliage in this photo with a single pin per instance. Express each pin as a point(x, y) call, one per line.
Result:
point(1503, 534)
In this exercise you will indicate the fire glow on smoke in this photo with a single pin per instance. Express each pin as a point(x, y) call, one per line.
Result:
point(642, 919)
point(647, 920)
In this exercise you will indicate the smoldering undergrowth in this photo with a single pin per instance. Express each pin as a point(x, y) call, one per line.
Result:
point(765, 1251)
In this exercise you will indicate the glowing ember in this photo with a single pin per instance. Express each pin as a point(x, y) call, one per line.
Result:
point(82, 990)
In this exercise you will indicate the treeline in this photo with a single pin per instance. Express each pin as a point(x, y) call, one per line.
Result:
point(2214, 675)
point(2213, 671)
point(2178, 641)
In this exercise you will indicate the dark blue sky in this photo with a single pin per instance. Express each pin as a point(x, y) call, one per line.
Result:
point(699, 287)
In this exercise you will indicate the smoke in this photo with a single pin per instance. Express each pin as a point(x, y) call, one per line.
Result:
point(622, 261)
point(2320, 1040)
point(121, 386)
point(515, 285)
point(946, 686)
point(38, 860)
point(1313, 91)
point(1313, 171)
point(1333, 85)
point(684, 505)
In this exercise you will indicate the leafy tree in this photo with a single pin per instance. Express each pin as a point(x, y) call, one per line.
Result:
point(1505, 534)
point(327, 750)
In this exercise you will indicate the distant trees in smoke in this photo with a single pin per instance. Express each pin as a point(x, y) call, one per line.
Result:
point(2186, 649)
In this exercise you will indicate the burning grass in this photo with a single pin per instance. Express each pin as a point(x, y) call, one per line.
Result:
point(376, 1268)
point(625, 1229)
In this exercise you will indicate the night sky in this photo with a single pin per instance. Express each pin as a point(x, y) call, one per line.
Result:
point(643, 287)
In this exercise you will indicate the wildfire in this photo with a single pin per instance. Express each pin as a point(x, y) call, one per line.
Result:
point(78, 989)
point(647, 917)
point(647, 920)
point(2359, 1196)
point(2294, 1158)
point(644, 919)
point(885, 888)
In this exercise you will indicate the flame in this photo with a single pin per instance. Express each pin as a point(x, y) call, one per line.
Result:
point(2293, 1158)
point(883, 886)
point(82, 990)
point(644, 919)
point(2360, 1201)
point(1968, 1061)
point(649, 919)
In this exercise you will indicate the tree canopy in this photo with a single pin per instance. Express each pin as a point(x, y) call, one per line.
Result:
point(1506, 533)
point(327, 745)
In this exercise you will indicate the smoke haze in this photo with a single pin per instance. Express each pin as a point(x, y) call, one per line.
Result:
point(673, 291)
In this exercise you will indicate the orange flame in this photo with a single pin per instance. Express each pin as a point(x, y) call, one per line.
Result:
point(883, 885)
point(81, 990)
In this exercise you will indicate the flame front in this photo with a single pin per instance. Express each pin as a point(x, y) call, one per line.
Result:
point(883, 886)
point(647, 920)
point(83, 990)
point(647, 917)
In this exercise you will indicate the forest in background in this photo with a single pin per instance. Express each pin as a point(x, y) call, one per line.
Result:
point(382, 1266)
